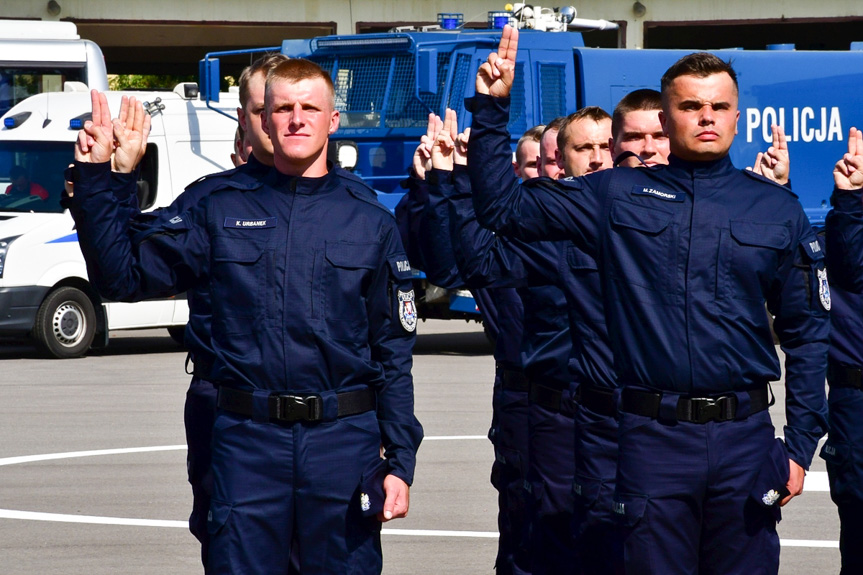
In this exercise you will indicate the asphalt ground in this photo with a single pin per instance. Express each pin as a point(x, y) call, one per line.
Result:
point(93, 479)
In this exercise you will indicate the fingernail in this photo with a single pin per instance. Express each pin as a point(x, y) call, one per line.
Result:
point(388, 514)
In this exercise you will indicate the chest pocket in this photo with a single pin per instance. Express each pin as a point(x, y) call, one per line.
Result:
point(242, 277)
point(642, 252)
point(750, 259)
point(347, 273)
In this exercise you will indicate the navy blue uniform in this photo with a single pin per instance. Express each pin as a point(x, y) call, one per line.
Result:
point(688, 254)
point(317, 306)
point(420, 218)
point(541, 416)
point(843, 449)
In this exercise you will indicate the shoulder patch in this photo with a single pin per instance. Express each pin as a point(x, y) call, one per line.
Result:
point(407, 310)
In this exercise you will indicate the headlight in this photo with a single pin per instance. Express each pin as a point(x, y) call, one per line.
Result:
point(4, 249)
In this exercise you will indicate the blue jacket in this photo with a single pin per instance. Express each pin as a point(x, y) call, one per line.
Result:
point(545, 341)
point(844, 238)
point(557, 269)
point(310, 285)
point(688, 255)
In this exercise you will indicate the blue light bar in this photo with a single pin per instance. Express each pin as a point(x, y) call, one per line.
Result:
point(497, 20)
point(14, 121)
point(76, 124)
point(450, 20)
point(9, 123)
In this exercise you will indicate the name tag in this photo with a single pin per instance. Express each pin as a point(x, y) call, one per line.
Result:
point(659, 194)
point(249, 223)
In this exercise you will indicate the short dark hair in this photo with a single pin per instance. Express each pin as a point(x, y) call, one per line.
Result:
point(17, 171)
point(532, 135)
point(594, 113)
point(700, 65)
point(637, 100)
point(262, 65)
point(298, 69)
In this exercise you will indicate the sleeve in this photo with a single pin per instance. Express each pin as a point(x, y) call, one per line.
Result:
point(800, 301)
point(551, 210)
point(392, 331)
point(409, 213)
point(434, 238)
point(844, 238)
point(489, 260)
point(157, 261)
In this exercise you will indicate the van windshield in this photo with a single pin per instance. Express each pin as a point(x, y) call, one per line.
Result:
point(31, 175)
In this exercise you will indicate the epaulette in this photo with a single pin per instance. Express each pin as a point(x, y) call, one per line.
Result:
point(347, 176)
point(223, 174)
point(367, 195)
point(760, 178)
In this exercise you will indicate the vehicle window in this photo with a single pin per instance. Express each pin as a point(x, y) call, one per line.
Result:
point(31, 175)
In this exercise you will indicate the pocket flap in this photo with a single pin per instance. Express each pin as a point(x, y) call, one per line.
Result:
point(578, 260)
point(218, 515)
point(629, 508)
point(586, 488)
point(774, 236)
point(237, 250)
point(348, 255)
point(641, 218)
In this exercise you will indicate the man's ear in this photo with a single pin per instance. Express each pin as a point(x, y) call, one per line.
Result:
point(241, 118)
point(265, 123)
point(334, 122)
point(558, 158)
point(611, 148)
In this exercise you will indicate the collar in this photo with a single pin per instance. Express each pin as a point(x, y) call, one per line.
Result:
point(303, 185)
point(709, 169)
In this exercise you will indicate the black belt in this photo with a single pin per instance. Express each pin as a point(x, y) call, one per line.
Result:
point(513, 380)
point(694, 409)
point(546, 397)
point(290, 408)
point(844, 376)
point(599, 400)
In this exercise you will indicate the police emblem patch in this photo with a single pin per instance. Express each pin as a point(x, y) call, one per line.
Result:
point(365, 504)
point(770, 497)
point(407, 310)
point(823, 290)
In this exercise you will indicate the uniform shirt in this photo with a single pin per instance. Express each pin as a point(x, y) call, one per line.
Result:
point(310, 286)
point(688, 254)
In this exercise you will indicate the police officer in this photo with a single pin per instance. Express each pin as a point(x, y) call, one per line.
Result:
point(842, 450)
point(700, 474)
point(546, 163)
point(313, 321)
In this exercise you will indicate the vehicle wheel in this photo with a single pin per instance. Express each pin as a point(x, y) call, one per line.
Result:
point(65, 324)
point(178, 333)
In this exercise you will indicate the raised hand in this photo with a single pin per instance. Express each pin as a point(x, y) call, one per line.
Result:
point(422, 161)
point(848, 173)
point(95, 142)
point(496, 75)
point(130, 131)
point(775, 163)
point(443, 150)
point(461, 147)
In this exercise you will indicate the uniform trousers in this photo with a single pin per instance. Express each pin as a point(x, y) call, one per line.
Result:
point(843, 452)
point(687, 494)
point(550, 475)
point(509, 435)
point(597, 531)
point(275, 484)
point(199, 414)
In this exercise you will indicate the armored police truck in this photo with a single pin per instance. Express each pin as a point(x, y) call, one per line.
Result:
point(45, 294)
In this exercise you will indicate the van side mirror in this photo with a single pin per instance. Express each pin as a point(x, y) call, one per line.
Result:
point(208, 78)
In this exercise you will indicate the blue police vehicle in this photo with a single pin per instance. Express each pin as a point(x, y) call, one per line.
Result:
point(387, 83)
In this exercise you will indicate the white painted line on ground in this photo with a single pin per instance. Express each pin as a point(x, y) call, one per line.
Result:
point(90, 519)
point(73, 454)
point(452, 437)
point(816, 481)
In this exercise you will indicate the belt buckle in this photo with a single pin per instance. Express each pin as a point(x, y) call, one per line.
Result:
point(705, 409)
point(299, 407)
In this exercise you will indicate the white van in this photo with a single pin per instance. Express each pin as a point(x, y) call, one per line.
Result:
point(38, 56)
point(44, 291)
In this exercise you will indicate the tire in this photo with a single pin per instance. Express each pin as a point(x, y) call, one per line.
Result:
point(65, 324)
point(178, 333)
